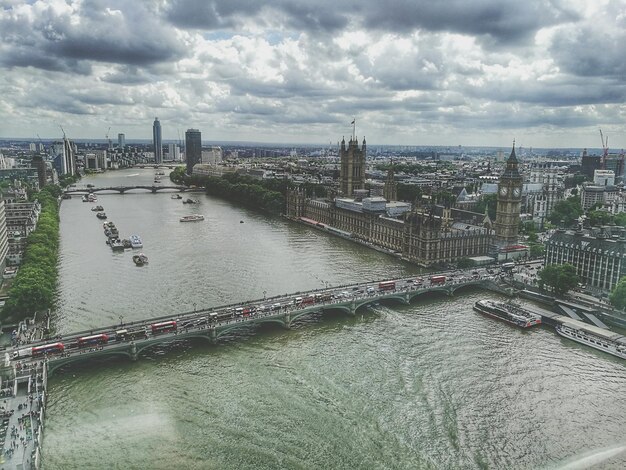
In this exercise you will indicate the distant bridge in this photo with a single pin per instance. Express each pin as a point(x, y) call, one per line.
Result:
point(124, 189)
point(213, 323)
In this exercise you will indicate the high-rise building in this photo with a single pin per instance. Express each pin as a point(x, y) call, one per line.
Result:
point(64, 159)
point(40, 165)
point(193, 148)
point(508, 203)
point(352, 172)
point(157, 141)
point(121, 141)
point(32, 147)
point(4, 239)
point(173, 152)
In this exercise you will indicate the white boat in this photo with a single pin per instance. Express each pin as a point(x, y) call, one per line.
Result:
point(598, 338)
point(92, 197)
point(192, 218)
point(135, 241)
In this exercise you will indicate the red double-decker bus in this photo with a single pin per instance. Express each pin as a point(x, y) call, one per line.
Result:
point(387, 285)
point(52, 348)
point(92, 340)
point(438, 280)
point(163, 327)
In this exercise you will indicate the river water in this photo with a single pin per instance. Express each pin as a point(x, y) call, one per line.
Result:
point(430, 385)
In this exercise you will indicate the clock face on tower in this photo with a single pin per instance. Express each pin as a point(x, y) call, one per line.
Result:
point(503, 191)
point(516, 192)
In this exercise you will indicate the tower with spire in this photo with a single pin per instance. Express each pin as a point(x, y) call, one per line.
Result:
point(509, 203)
point(390, 190)
point(352, 172)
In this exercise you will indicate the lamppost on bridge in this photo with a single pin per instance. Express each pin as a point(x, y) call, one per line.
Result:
point(264, 294)
point(121, 320)
point(194, 307)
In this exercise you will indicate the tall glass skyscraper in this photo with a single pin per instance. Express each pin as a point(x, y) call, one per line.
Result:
point(193, 148)
point(156, 140)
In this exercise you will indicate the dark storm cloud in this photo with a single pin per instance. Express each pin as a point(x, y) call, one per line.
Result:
point(95, 31)
point(505, 21)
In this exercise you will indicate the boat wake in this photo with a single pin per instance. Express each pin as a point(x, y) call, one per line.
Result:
point(591, 459)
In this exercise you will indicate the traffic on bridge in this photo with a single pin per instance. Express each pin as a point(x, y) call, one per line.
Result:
point(132, 338)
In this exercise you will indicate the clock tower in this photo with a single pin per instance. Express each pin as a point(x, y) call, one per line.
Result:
point(509, 203)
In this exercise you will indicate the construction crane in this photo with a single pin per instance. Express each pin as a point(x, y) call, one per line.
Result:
point(605, 149)
point(107, 137)
point(62, 130)
point(43, 147)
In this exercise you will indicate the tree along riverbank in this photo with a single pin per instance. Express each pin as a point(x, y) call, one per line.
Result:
point(33, 289)
point(266, 195)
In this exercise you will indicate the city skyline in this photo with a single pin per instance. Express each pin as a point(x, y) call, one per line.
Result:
point(475, 74)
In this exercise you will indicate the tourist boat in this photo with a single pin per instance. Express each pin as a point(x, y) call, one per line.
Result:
point(190, 201)
point(176, 196)
point(140, 259)
point(589, 335)
point(135, 241)
point(192, 218)
point(507, 312)
point(127, 243)
point(85, 198)
point(156, 180)
point(101, 215)
point(116, 244)
point(97, 208)
point(92, 197)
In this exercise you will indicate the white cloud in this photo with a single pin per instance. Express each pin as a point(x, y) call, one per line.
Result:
point(414, 73)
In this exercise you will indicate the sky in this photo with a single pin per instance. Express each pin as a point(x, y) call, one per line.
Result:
point(547, 73)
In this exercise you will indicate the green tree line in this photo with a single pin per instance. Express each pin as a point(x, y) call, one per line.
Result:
point(34, 287)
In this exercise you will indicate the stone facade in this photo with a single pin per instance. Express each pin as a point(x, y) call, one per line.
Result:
point(352, 170)
point(426, 236)
point(599, 255)
point(509, 203)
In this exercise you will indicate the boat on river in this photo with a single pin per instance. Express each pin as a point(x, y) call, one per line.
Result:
point(140, 259)
point(192, 218)
point(508, 313)
point(101, 215)
point(589, 335)
point(176, 196)
point(190, 201)
point(135, 241)
point(97, 209)
point(116, 244)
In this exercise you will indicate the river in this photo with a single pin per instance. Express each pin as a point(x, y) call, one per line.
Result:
point(430, 385)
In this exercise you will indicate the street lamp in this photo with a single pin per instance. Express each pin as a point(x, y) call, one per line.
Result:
point(264, 294)
point(121, 320)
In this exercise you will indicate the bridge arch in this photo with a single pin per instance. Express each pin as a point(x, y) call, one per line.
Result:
point(75, 358)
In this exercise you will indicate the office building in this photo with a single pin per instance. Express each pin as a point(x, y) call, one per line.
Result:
point(121, 141)
point(40, 165)
point(193, 148)
point(157, 141)
point(64, 157)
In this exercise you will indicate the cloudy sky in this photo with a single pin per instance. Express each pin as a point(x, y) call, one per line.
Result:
point(548, 73)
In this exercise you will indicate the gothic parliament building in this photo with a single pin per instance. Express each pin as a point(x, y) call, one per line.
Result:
point(423, 233)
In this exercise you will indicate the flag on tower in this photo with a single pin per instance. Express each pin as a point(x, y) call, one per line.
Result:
point(352, 122)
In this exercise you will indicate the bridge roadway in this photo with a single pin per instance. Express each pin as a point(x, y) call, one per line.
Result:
point(213, 323)
point(123, 189)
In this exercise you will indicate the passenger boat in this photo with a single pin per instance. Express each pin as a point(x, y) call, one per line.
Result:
point(97, 208)
point(589, 335)
point(507, 312)
point(192, 218)
point(101, 215)
point(116, 245)
point(92, 197)
point(176, 196)
point(127, 243)
point(190, 201)
point(85, 198)
point(135, 241)
point(140, 259)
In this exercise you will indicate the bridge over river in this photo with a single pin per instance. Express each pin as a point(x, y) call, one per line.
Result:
point(130, 340)
point(124, 189)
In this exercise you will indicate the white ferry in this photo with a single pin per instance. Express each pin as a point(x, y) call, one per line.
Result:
point(192, 218)
point(589, 335)
point(135, 241)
